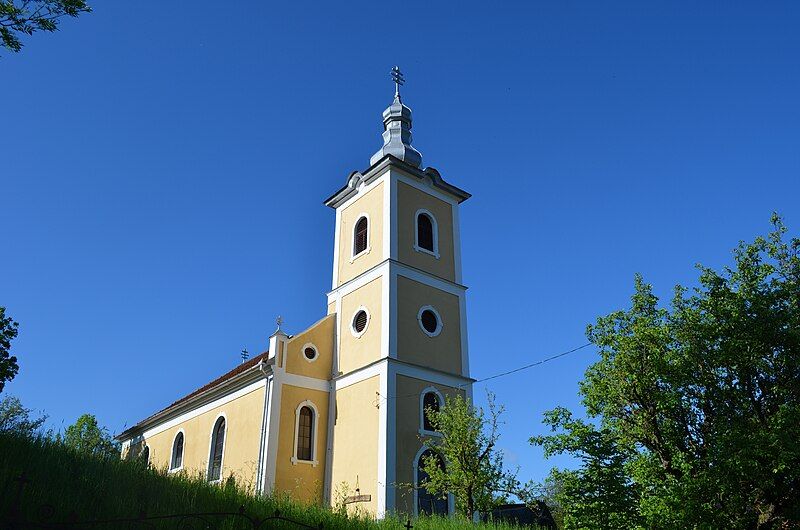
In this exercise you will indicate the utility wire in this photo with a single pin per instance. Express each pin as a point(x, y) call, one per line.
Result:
point(502, 374)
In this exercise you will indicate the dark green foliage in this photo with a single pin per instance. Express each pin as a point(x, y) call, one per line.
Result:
point(697, 405)
point(474, 470)
point(8, 332)
point(87, 437)
point(16, 418)
point(106, 488)
point(24, 17)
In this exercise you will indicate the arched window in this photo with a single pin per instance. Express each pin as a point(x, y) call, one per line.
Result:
point(425, 232)
point(145, 455)
point(426, 237)
point(217, 446)
point(176, 462)
point(305, 434)
point(360, 236)
point(430, 402)
point(426, 502)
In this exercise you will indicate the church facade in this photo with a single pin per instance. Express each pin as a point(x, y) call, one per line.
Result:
point(336, 413)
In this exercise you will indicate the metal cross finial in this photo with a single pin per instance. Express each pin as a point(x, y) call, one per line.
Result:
point(245, 354)
point(397, 77)
point(279, 321)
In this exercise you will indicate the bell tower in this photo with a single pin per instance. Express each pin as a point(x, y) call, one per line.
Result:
point(401, 339)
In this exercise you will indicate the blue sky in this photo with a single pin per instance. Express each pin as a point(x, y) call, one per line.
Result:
point(164, 170)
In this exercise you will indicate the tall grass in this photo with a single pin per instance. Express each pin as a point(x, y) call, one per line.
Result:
point(62, 485)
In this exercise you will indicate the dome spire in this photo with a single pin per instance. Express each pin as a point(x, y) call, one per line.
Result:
point(397, 128)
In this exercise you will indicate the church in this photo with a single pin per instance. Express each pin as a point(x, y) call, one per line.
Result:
point(337, 413)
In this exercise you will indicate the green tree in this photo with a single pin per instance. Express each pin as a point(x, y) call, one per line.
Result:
point(17, 419)
point(24, 17)
point(473, 471)
point(86, 436)
point(8, 363)
point(696, 406)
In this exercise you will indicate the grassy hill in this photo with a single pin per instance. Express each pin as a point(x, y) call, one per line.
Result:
point(46, 485)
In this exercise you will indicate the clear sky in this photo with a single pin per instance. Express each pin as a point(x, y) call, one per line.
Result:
point(164, 167)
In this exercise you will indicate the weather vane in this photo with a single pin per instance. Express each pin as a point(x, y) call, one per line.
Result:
point(397, 77)
point(279, 322)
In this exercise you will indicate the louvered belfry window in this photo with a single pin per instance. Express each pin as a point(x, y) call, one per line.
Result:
point(177, 452)
point(425, 232)
point(430, 402)
point(360, 321)
point(217, 444)
point(360, 236)
point(305, 433)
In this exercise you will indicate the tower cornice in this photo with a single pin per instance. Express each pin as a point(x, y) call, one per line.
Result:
point(356, 179)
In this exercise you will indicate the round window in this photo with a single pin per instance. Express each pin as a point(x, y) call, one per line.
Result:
point(429, 321)
point(360, 321)
point(310, 353)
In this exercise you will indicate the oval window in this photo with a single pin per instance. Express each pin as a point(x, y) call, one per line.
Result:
point(429, 321)
point(310, 353)
point(360, 321)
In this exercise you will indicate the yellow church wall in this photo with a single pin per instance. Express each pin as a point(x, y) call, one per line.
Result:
point(303, 481)
point(408, 435)
point(409, 200)
point(371, 204)
point(243, 417)
point(356, 352)
point(331, 308)
point(355, 444)
point(442, 352)
point(320, 336)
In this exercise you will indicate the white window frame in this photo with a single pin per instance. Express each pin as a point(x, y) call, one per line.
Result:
point(358, 334)
point(451, 500)
point(303, 352)
point(435, 223)
point(314, 434)
point(440, 323)
point(211, 449)
point(353, 255)
point(172, 451)
point(440, 397)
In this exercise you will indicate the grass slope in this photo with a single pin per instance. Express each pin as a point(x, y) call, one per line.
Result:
point(61, 485)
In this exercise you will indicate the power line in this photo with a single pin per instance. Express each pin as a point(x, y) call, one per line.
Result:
point(502, 374)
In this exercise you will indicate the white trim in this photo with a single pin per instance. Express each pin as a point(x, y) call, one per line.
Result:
point(391, 307)
point(430, 190)
point(365, 186)
point(172, 452)
point(360, 281)
point(211, 443)
point(186, 416)
point(368, 249)
point(393, 254)
point(440, 398)
point(358, 375)
point(336, 248)
point(304, 381)
point(314, 434)
point(387, 214)
point(434, 227)
point(432, 376)
point(462, 309)
point(439, 323)
point(358, 334)
point(391, 441)
point(457, 242)
point(303, 352)
point(273, 432)
point(399, 268)
point(383, 384)
point(386, 314)
point(429, 279)
point(451, 500)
